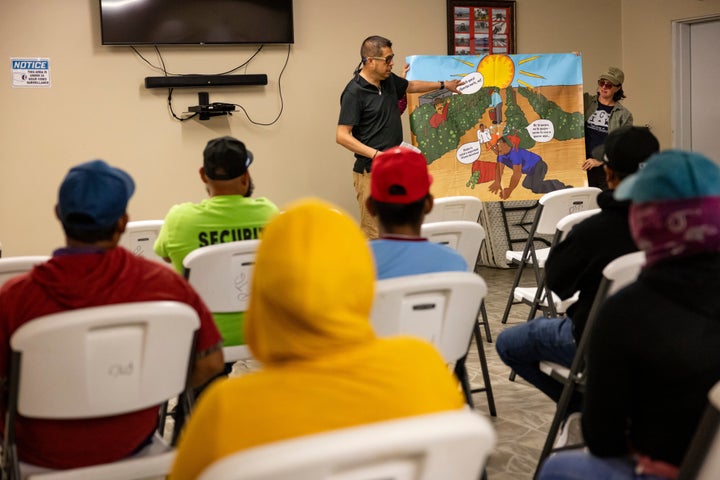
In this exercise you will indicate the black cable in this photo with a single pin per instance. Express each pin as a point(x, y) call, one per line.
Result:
point(282, 103)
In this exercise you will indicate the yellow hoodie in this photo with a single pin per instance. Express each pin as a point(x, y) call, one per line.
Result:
point(323, 366)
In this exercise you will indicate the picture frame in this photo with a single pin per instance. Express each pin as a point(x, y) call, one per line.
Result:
point(481, 27)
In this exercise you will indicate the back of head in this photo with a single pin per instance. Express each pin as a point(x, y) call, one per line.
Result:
point(225, 158)
point(626, 148)
point(676, 205)
point(313, 285)
point(399, 185)
point(91, 199)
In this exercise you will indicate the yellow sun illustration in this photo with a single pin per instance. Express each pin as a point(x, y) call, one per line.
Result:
point(497, 70)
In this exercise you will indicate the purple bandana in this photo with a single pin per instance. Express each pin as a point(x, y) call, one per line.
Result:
point(674, 228)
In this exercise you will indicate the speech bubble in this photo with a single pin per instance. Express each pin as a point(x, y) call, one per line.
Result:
point(541, 130)
point(471, 83)
point(468, 152)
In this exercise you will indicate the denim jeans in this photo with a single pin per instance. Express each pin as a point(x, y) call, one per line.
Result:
point(581, 465)
point(522, 347)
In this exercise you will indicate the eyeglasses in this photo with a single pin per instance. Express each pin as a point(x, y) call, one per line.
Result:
point(387, 59)
point(605, 84)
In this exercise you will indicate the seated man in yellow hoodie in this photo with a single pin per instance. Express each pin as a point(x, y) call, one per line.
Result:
point(323, 367)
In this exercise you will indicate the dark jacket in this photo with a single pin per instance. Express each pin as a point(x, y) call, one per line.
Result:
point(576, 264)
point(654, 354)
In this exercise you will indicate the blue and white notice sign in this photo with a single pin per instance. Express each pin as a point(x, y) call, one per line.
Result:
point(30, 72)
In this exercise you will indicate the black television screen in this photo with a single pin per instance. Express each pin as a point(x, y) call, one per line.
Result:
point(193, 22)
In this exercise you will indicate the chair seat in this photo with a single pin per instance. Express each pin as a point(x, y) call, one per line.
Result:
point(527, 295)
point(515, 256)
point(154, 461)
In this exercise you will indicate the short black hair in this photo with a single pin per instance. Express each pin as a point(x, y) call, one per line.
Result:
point(372, 47)
point(619, 95)
point(77, 229)
point(397, 214)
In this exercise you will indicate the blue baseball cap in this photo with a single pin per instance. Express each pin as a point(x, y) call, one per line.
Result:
point(94, 195)
point(671, 175)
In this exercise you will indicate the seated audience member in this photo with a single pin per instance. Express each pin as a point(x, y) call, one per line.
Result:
point(400, 198)
point(654, 352)
point(91, 270)
point(228, 215)
point(576, 264)
point(323, 367)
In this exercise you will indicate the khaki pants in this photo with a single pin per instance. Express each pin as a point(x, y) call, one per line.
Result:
point(368, 223)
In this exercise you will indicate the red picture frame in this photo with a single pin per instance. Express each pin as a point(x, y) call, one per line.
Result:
point(481, 27)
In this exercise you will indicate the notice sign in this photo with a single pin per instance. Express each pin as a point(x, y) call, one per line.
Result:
point(30, 72)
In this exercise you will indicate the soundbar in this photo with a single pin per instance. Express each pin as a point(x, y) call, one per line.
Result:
point(179, 81)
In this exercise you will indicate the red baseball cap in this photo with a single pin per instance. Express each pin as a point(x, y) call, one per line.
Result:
point(399, 175)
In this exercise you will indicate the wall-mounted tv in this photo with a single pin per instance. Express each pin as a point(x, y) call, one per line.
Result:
point(196, 22)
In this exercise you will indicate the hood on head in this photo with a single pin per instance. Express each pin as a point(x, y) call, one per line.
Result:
point(313, 285)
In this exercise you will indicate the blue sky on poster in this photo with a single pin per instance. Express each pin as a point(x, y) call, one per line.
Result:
point(535, 70)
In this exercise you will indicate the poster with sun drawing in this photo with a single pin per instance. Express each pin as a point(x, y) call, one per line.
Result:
point(514, 133)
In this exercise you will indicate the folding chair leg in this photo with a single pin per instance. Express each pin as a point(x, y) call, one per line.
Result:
point(462, 376)
point(485, 323)
point(511, 299)
point(560, 414)
point(485, 373)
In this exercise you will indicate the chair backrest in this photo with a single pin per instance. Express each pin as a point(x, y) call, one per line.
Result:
point(453, 445)
point(112, 359)
point(461, 235)
point(556, 205)
point(441, 308)
point(140, 236)
point(567, 222)
point(12, 266)
point(222, 274)
point(617, 274)
point(460, 207)
point(702, 460)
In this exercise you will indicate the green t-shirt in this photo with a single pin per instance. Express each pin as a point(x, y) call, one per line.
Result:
point(220, 219)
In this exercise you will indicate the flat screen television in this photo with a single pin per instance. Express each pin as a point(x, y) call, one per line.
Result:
point(196, 22)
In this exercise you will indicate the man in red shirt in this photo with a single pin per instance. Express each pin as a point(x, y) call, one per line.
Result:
point(91, 270)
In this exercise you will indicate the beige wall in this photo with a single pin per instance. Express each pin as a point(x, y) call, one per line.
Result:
point(98, 108)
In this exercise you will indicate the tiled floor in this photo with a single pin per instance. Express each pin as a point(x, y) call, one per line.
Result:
point(523, 413)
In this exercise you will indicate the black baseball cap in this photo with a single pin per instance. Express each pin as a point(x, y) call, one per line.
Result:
point(626, 148)
point(225, 158)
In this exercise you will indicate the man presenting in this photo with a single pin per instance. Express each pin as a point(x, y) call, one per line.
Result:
point(369, 115)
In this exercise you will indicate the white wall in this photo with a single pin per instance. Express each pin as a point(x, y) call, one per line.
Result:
point(98, 107)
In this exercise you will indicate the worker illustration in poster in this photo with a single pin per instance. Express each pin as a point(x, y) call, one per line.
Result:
point(514, 133)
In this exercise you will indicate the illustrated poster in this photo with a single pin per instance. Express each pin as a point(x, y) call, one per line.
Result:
point(515, 132)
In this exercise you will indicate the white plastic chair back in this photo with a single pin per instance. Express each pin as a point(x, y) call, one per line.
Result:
point(623, 270)
point(567, 222)
point(460, 207)
point(462, 236)
point(112, 359)
point(222, 274)
point(560, 203)
point(13, 266)
point(447, 445)
point(140, 236)
point(441, 308)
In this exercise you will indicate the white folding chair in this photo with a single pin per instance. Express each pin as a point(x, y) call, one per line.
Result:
point(466, 238)
point(551, 208)
point(446, 445)
point(140, 236)
point(150, 343)
point(441, 308)
point(12, 266)
point(617, 274)
point(460, 207)
point(537, 297)
point(702, 459)
point(222, 274)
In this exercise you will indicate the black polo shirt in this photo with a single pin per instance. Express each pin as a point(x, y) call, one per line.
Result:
point(374, 114)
